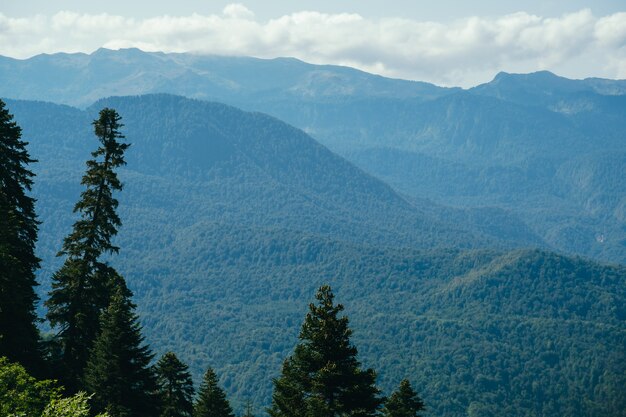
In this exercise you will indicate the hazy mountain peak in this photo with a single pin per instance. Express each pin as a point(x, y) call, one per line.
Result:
point(544, 88)
point(122, 51)
point(532, 76)
point(539, 80)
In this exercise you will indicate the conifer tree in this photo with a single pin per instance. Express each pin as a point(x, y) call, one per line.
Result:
point(288, 399)
point(212, 401)
point(323, 377)
point(404, 402)
point(81, 287)
point(19, 338)
point(118, 372)
point(175, 387)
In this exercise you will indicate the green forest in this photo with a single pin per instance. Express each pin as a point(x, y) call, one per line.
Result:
point(181, 284)
point(98, 360)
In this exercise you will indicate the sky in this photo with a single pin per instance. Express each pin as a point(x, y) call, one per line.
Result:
point(446, 42)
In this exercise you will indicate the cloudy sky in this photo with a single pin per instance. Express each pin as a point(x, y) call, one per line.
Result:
point(448, 42)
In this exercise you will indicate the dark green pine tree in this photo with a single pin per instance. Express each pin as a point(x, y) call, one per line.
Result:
point(290, 388)
point(404, 402)
point(211, 401)
point(19, 338)
point(175, 387)
point(118, 372)
point(81, 287)
point(323, 377)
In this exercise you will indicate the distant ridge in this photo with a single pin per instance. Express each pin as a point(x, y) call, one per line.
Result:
point(234, 158)
point(524, 144)
point(79, 79)
point(545, 86)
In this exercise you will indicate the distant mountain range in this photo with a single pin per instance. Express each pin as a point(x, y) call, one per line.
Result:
point(232, 219)
point(80, 79)
point(547, 150)
point(214, 162)
point(422, 207)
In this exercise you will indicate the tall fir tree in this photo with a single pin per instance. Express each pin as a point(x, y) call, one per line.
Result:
point(118, 371)
point(211, 401)
point(323, 377)
point(81, 287)
point(19, 337)
point(175, 387)
point(404, 402)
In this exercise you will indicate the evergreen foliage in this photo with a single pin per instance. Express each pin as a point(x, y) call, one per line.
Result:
point(324, 377)
point(212, 401)
point(404, 402)
point(175, 387)
point(81, 287)
point(118, 371)
point(19, 338)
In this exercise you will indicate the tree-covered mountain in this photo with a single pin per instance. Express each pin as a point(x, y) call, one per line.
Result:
point(232, 220)
point(524, 332)
point(560, 172)
point(194, 160)
point(545, 89)
point(547, 150)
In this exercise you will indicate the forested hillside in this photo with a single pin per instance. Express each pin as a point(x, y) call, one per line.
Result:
point(232, 220)
point(453, 321)
point(546, 150)
point(196, 161)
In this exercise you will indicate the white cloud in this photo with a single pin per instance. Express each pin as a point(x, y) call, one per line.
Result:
point(237, 11)
point(462, 52)
point(611, 30)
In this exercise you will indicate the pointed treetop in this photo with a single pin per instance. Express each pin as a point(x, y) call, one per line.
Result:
point(99, 221)
point(323, 377)
point(404, 402)
point(118, 371)
point(81, 288)
point(323, 324)
point(106, 128)
point(212, 401)
point(175, 387)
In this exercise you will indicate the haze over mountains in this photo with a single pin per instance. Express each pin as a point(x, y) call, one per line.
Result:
point(80, 79)
point(422, 223)
point(548, 150)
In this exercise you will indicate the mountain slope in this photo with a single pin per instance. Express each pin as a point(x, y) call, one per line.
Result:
point(471, 151)
point(544, 88)
point(194, 160)
point(472, 329)
point(508, 144)
point(232, 219)
point(80, 79)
